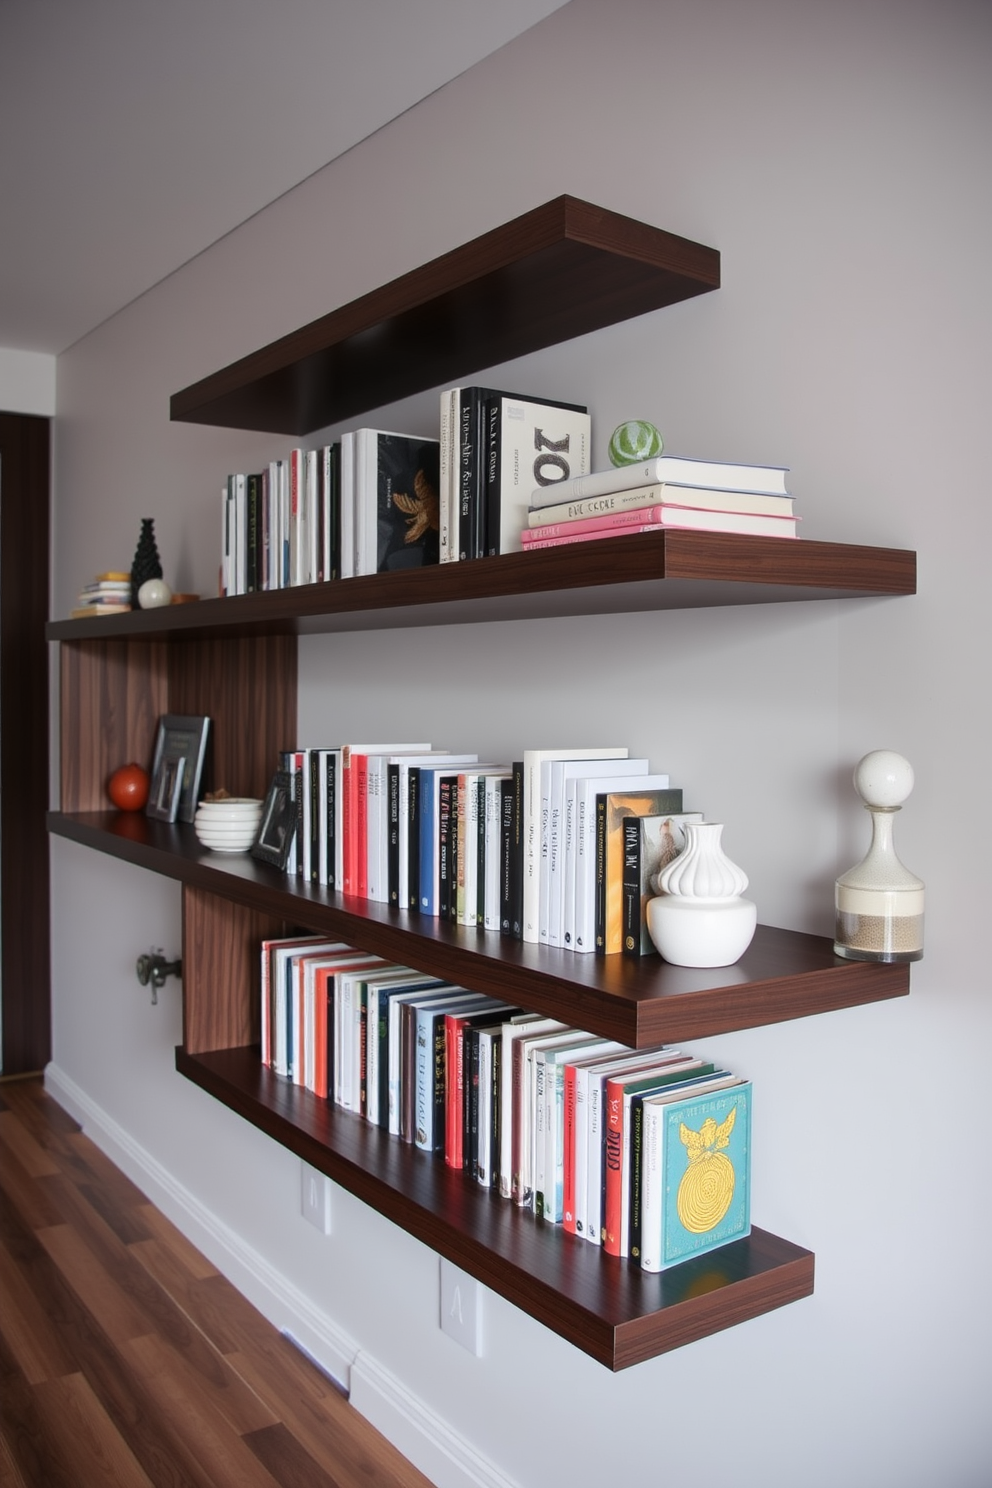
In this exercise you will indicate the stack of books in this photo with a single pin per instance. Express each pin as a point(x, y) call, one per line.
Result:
point(645, 1153)
point(667, 491)
point(108, 594)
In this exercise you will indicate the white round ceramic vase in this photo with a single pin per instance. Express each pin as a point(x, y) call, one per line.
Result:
point(700, 917)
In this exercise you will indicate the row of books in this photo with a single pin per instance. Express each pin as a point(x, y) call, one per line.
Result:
point(367, 503)
point(541, 848)
point(666, 491)
point(643, 1152)
point(507, 472)
point(495, 449)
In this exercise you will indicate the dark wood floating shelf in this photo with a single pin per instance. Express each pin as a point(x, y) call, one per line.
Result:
point(609, 1308)
point(646, 571)
point(559, 271)
point(784, 974)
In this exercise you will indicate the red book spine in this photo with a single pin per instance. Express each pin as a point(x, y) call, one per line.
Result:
point(612, 1165)
point(320, 1033)
point(454, 1090)
point(360, 789)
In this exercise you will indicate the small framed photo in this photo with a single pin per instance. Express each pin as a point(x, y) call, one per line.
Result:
point(166, 787)
point(180, 736)
point(278, 823)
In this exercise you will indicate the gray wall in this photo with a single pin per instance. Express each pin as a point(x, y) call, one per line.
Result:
point(837, 155)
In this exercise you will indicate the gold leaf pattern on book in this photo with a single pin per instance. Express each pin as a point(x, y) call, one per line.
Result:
point(422, 509)
point(707, 1187)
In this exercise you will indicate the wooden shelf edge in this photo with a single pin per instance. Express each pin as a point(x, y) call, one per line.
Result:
point(658, 571)
point(556, 272)
point(785, 974)
point(610, 1309)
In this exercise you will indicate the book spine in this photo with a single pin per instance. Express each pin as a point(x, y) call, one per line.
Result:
point(393, 847)
point(360, 787)
point(492, 474)
point(424, 1101)
point(635, 1178)
point(612, 1165)
point(444, 789)
point(652, 1187)
point(408, 1072)
point(413, 838)
point(427, 901)
point(631, 887)
point(599, 925)
point(568, 1215)
point(454, 1049)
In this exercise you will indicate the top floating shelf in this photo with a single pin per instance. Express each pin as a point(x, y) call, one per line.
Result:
point(560, 271)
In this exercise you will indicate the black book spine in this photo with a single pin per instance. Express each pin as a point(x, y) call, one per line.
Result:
point(497, 1112)
point(492, 425)
point(331, 785)
point(631, 942)
point(393, 840)
point(517, 854)
point(253, 503)
point(413, 837)
point(480, 860)
point(313, 785)
point(453, 852)
point(440, 1082)
point(443, 787)
point(600, 927)
point(334, 509)
point(470, 1137)
point(505, 841)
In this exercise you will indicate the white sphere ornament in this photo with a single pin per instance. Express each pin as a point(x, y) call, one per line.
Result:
point(700, 917)
point(153, 594)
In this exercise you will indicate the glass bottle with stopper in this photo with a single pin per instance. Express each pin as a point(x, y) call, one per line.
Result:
point(879, 902)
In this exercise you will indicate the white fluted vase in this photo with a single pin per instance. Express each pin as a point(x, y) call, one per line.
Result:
point(700, 917)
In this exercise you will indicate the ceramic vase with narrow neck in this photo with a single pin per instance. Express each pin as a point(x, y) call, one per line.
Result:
point(879, 902)
point(699, 917)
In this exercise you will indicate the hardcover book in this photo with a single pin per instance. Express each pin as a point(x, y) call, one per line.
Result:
point(697, 1175)
point(527, 442)
point(640, 799)
point(396, 501)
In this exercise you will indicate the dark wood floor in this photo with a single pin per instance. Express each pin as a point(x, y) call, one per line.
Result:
point(127, 1359)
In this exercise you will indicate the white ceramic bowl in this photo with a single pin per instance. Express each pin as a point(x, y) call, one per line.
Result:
point(235, 836)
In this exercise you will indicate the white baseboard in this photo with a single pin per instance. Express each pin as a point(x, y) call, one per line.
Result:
point(424, 1438)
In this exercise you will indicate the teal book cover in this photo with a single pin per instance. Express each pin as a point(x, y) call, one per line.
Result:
point(707, 1173)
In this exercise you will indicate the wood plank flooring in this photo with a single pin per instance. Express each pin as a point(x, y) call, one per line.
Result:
point(127, 1360)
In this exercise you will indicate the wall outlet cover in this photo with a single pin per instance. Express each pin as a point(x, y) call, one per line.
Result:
point(461, 1308)
point(315, 1197)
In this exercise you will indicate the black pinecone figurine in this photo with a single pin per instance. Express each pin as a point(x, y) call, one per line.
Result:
point(147, 564)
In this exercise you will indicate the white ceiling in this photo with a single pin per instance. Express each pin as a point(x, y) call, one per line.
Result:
point(134, 133)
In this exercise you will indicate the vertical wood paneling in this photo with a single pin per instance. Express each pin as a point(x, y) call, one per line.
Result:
point(247, 687)
point(112, 695)
point(221, 978)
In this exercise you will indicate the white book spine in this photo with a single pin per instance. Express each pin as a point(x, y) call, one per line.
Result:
point(652, 1186)
point(347, 502)
point(493, 828)
point(483, 1167)
point(594, 1167)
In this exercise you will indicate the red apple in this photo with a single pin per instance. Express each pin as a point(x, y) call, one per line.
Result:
point(128, 788)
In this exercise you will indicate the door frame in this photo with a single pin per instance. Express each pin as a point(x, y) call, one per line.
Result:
point(25, 904)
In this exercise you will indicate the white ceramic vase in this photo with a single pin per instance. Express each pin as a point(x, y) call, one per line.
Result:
point(700, 918)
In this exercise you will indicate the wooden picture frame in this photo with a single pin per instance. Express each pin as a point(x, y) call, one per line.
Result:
point(180, 736)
